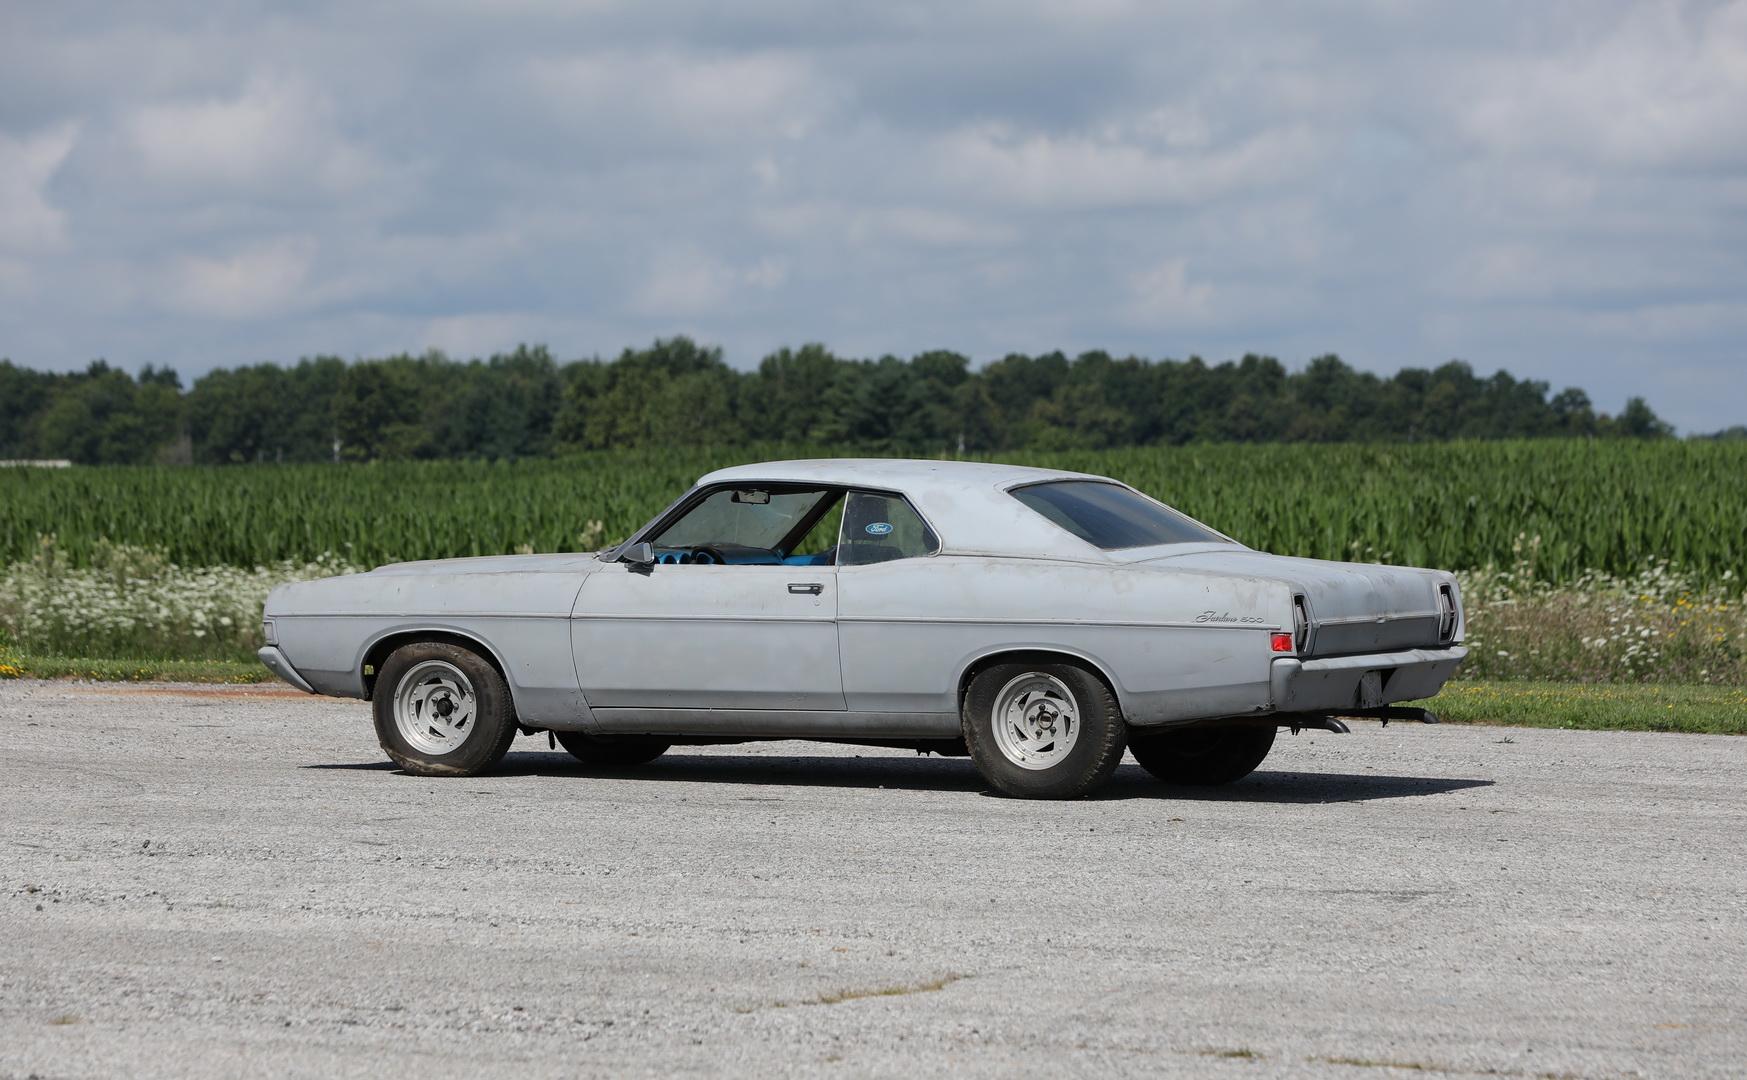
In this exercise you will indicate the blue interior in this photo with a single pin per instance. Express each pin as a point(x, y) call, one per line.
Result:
point(748, 557)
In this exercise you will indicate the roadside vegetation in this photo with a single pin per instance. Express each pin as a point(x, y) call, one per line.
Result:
point(1700, 710)
point(1658, 625)
point(14, 665)
point(133, 602)
point(1604, 582)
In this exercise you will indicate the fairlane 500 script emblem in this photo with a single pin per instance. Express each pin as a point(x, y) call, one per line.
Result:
point(1226, 617)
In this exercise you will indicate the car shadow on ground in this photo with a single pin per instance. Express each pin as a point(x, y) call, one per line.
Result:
point(953, 774)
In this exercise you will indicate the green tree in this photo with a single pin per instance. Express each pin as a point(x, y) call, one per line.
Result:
point(672, 393)
point(677, 392)
point(103, 417)
point(24, 394)
point(1636, 421)
point(787, 399)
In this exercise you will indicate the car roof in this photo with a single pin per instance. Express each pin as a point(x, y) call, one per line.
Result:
point(966, 502)
point(892, 473)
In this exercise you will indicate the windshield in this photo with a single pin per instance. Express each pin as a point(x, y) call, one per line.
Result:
point(1111, 516)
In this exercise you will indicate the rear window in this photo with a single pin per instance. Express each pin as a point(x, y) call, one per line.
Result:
point(1110, 516)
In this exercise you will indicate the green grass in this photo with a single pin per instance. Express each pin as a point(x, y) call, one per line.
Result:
point(1708, 710)
point(99, 669)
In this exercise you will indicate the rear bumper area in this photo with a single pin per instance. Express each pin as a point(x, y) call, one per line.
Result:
point(278, 665)
point(1339, 682)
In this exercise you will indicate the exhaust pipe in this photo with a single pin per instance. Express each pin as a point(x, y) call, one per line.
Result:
point(1313, 721)
point(1396, 712)
point(1322, 722)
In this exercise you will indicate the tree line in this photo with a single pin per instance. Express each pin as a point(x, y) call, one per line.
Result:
point(525, 403)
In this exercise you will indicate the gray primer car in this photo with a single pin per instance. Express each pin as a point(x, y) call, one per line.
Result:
point(1040, 621)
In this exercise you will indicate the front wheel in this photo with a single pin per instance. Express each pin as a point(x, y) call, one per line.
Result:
point(442, 710)
point(1202, 757)
point(1042, 731)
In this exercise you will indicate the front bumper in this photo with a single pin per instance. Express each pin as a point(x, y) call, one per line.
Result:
point(278, 665)
point(1338, 682)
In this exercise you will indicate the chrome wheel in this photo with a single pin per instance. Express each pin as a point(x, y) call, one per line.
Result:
point(434, 707)
point(1035, 720)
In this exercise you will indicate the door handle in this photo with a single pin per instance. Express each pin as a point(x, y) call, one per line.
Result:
point(806, 588)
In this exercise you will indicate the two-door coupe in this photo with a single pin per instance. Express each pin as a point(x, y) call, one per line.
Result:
point(1040, 621)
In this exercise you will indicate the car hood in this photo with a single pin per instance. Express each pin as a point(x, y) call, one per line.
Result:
point(443, 588)
point(574, 563)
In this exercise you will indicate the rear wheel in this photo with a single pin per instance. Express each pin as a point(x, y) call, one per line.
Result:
point(1042, 730)
point(611, 750)
point(1202, 757)
point(442, 710)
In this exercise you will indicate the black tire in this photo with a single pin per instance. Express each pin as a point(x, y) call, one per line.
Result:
point(1092, 756)
point(1202, 757)
point(490, 729)
point(613, 751)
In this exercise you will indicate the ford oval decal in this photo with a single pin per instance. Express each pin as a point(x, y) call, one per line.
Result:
point(878, 528)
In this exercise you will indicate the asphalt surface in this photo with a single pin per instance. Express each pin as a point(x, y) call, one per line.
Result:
point(201, 882)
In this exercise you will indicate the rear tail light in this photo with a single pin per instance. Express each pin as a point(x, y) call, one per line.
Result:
point(1300, 624)
point(1282, 642)
point(1446, 613)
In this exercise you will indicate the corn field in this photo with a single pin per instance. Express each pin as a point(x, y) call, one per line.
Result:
point(1581, 506)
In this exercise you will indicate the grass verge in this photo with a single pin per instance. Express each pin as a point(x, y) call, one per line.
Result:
point(1707, 710)
point(16, 666)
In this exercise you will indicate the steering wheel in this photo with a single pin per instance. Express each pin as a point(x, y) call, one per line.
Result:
point(707, 554)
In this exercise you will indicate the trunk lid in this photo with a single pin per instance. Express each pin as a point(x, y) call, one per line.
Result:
point(1352, 607)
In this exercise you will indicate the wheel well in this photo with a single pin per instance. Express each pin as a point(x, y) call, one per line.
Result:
point(1041, 656)
point(379, 653)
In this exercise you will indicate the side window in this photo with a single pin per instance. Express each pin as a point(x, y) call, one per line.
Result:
point(879, 528)
point(741, 525)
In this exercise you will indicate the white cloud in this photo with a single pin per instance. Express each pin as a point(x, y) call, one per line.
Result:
point(267, 279)
point(1164, 294)
point(687, 282)
point(1666, 84)
point(28, 221)
point(276, 132)
point(676, 95)
point(1116, 166)
point(477, 333)
point(1175, 126)
point(1519, 271)
point(880, 226)
point(933, 228)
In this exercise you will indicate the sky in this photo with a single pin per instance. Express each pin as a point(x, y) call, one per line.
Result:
point(1554, 188)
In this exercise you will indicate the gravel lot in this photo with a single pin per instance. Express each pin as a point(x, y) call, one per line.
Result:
point(222, 882)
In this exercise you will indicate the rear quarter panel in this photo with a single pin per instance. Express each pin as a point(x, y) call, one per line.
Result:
point(1174, 645)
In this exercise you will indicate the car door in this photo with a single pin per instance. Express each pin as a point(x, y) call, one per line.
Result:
point(898, 655)
point(755, 631)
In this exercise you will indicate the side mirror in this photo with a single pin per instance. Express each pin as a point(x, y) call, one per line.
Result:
point(641, 557)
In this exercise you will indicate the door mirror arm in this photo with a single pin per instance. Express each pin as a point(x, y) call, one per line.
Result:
point(639, 558)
